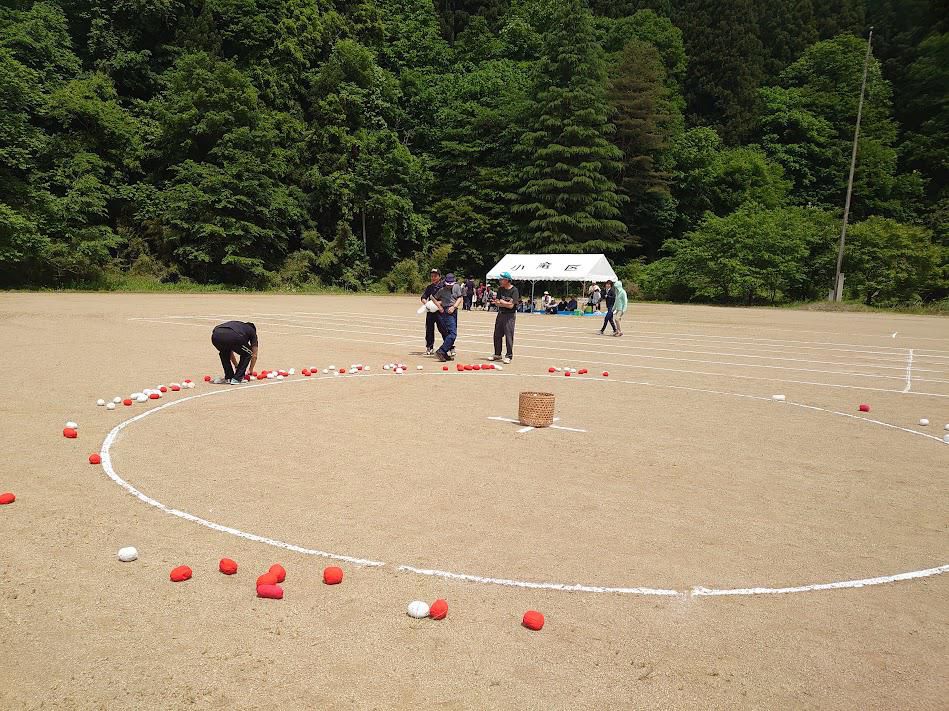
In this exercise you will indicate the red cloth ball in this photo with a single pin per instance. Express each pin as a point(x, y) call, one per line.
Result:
point(7, 498)
point(207, 378)
point(163, 389)
point(126, 402)
point(95, 459)
point(70, 433)
point(438, 610)
point(279, 571)
point(551, 370)
point(153, 396)
point(864, 408)
point(267, 579)
point(444, 367)
point(227, 566)
point(187, 380)
point(605, 374)
point(459, 367)
point(342, 370)
point(180, 574)
point(305, 371)
point(467, 367)
point(332, 575)
point(583, 371)
point(533, 620)
point(567, 374)
point(358, 367)
point(175, 388)
point(476, 367)
point(273, 592)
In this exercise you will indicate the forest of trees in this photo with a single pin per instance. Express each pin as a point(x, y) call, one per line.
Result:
point(703, 146)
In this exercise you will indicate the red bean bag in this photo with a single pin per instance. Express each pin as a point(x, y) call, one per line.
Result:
point(7, 498)
point(267, 579)
point(272, 592)
point(95, 459)
point(227, 566)
point(127, 402)
point(207, 378)
point(180, 574)
point(279, 571)
point(438, 610)
point(533, 620)
point(333, 575)
point(70, 433)
point(864, 408)
point(153, 396)
point(551, 370)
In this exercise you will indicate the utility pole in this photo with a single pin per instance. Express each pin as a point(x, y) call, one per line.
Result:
point(838, 290)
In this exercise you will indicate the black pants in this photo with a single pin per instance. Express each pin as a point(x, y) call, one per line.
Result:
point(227, 341)
point(431, 321)
point(504, 328)
point(608, 319)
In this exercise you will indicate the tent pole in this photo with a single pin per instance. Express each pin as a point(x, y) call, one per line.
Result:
point(532, 295)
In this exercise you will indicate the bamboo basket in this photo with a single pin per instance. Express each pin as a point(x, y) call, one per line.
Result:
point(536, 409)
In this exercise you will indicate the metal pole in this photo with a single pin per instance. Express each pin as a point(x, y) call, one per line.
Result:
point(838, 290)
point(365, 249)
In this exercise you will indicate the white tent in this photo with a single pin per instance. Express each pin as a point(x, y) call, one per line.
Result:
point(554, 267)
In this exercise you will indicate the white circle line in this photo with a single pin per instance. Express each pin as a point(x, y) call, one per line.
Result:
point(697, 591)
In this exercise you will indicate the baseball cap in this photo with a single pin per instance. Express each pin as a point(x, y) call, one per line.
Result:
point(434, 271)
point(450, 279)
point(506, 275)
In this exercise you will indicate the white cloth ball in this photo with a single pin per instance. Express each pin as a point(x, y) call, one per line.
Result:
point(923, 422)
point(110, 406)
point(385, 367)
point(72, 425)
point(946, 428)
point(418, 367)
point(279, 377)
point(135, 396)
point(142, 398)
point(779, 398)
point(325, 371)
point(100, 402)
point(418, 609)
point(366, 368)
point(128, 554)
point(399, 371)
point(499, 367)
point(945, 438)
point(116, 400)
point(292, 371)
point(332, 367)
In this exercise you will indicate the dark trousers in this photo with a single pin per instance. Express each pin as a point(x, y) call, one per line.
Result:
point(448, 327)
point(467, 303)
point(504, 328)
point(227, 341)
point(608, 319)
point(431, 321)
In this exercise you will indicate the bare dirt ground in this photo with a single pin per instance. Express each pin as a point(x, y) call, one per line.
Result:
point(687, 479)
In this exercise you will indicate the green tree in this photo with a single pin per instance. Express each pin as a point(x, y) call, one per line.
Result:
point(726, 65)
point(835, 17)
point(891, 263)
point(926, 139)
point(787, 28)
point(568, 198)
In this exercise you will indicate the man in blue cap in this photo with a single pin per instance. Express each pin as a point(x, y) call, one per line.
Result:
point(506, 300)
point(431, 318)
point(449, 298)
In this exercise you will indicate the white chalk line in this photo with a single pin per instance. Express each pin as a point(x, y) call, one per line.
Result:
point(697, 591)
point(105, 453)
point(909, 371)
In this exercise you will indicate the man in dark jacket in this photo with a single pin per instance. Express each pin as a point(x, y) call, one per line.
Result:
point(236, 344)
point(431, 317)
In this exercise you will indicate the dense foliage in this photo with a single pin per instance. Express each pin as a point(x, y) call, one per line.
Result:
point(354, 143)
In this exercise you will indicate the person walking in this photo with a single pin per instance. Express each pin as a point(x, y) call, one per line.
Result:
point(610, 296)
point(469, 293)
point(449, 299)
point(431, 317)
point(507, 300)
point(619, 308)
point(236, 344)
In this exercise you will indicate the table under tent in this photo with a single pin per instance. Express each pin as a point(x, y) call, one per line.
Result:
point(554, 267)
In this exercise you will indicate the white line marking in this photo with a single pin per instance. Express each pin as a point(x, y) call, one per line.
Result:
point(863, 583)
point(697, 591)
point(106, 455)
point(909, 371)
point(566, 587)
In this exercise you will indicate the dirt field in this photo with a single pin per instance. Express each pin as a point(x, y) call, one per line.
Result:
point(719, 549)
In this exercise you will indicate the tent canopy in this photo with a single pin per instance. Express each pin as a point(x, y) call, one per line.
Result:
point(554, 267)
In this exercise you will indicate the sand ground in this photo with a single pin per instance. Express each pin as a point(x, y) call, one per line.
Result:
point(687, 476)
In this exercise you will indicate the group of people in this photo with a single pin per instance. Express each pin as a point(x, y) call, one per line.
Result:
point(237, 346)
point(614, 295)
point(449, 296)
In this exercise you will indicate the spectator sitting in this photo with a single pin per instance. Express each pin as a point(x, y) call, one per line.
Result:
point(548, 303)
point(572, 304)
point(562, 306)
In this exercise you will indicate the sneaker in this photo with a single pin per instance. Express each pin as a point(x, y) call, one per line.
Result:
point(601, 333)
point(495, 357)
point(234, 381)
point(441, 356)
point(506, 361)
point(451, 353)
point(218, 381)
point(429, 351)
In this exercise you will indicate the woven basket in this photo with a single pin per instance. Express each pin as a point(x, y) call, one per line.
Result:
point(536, 409)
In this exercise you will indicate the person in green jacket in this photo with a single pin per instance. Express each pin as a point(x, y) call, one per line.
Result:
point(619, 306)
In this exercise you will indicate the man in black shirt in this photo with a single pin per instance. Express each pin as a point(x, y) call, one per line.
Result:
point(449, 299)
point(506, 300)
point(235, 340)
point(431, 317)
